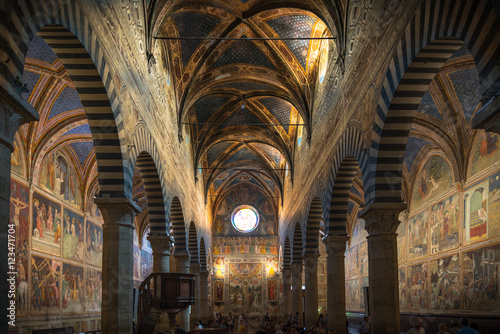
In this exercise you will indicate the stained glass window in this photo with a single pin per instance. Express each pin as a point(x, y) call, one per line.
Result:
point(245, 218)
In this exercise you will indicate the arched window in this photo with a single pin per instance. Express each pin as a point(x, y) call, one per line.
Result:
point(245, 218)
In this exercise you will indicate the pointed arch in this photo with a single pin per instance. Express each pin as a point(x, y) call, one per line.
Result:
point(193, 244)
point(422, 50)
point(66, 29)
point(178, 225)
point(203, 255)
point(313, 223)
point(298, 245)
point(147, 159)
point(287, 254)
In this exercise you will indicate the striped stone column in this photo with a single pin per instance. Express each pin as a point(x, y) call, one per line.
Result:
point(117, 263)
point(381, 222)
point(311, 283)
point(296, 270)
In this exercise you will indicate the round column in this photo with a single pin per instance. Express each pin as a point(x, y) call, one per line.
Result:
point(297, 306)
point(311, 283)
point(336, 304)
point(161, 252)
point(287, 292)
point(183, 266)
point(381, 222)
point(204, 296)
point(195, 308)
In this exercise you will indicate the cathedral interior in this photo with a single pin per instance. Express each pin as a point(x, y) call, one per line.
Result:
point(334, 157)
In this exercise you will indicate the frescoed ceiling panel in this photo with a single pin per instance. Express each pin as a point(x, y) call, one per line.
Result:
point(428, 106)
point(243, 154)
point(82, 150)
point(216, 150)
point(413, 147)
point(241, 117)
point(30, 79)
point(66, 101)
point(466, 86)
point(192, 24)
point(41, 51)
point(246, 86)
point(280, 109)
point(82, 129)
point(272, 152)
point(243, 52)
point(207, 105)
point(295, 26)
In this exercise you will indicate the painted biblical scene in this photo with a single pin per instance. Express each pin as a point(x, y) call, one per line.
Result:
point(402, 288)
point(245, 285)
point(417, 236)
point(354, 260)
point(486, 152)
point(363, 258)
point(93, 290)
point(93, 211)
point(433, 179)
point(359, 233)
point(146, 263)
point(93, 244)
point(272, 290)
point(19, 217)
point(73, 236)
point(73, 294)
point(354, 293)
point(480, 270)
point(59, 177)
point(476, 213)
point(245, 194)
point(244, 245)
point(445, 283)
point(45, 281)
point(17, 158)
point(47, 218)
point(444, 224)
point(137, 266)
point(418, 296)
point(401, 231)
point(494, 206)
point(218, 291)
point(363, 282)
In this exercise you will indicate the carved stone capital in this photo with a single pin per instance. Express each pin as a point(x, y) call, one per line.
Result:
point(310, 261)
point(382, 218)
point(183, 259)
point(161, 244)
point(121, 210)
point(335, 244)
point(403, 216)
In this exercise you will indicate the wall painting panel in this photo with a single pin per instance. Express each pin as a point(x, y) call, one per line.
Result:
point(93, 246)
point(444, 224)
point(418, 297)
point(417, 236)
point(73, 245)
point(445, 283)
point(47, 217)
point(73, 298)
point(45, 280)
point(245, 285)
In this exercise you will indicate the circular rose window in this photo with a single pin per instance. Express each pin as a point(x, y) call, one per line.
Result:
point(245, 218)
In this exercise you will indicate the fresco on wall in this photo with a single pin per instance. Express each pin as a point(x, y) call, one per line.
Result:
point(272, 290)
point(444, 224)
point(418, 296)
point(19, 217)
point(46, 233)
point(354, 260)
point(363, 258)
point(146, 263)
point(363, 282)
point(433, 179)
point(93, 290)
point(354, 293)
point(480, 269)
point(239, 245)
point(401, 241)
point(45, 280)
point(93, 211)
point(73, 295)
point(417, 235)
point(485, 152)
point(494, 206)
point(59, 178)
point(73, 245)
point(445, 286)
point(402, 288)
point(218, 291)
point(476, 213)
point(358, 232)
point(17, 158)
point(137, 262)
point(93, 245)
point(245, 194)
point(245, 285)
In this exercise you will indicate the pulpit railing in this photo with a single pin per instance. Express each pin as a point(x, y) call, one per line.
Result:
point(168, 292)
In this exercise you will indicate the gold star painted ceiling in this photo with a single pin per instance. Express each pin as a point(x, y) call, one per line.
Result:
point(244, 75)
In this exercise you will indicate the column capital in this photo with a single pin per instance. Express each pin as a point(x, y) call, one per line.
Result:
point(161, 244)
point(296, 268)
point(335, 244)
point(12, 116)
point(183, 259)
point(115, 208)
point(195, 268)
point(382, 218)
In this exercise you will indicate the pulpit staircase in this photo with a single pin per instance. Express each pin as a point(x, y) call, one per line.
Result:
point(163, 292)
